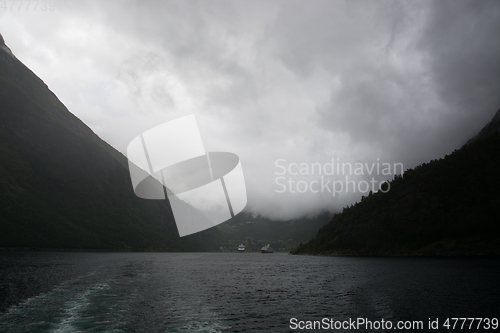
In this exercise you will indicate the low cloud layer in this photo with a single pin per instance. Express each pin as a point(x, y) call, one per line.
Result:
point(299, 82)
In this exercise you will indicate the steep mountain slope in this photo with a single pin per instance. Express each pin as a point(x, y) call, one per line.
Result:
point(492, 127)
point(61, 186)
point(448, 206)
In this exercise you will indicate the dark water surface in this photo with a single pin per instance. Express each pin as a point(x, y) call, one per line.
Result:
point(234, 292)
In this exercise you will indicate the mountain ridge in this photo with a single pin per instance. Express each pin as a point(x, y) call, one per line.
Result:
point(62, 187)
point(490, 128)
point(446, 207)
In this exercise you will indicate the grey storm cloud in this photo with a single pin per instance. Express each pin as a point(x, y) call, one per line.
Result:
point(289, 81)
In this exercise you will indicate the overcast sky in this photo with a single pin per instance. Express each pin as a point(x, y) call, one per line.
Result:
point(294, 81)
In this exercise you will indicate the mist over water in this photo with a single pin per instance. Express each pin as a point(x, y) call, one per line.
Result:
point(233, 292)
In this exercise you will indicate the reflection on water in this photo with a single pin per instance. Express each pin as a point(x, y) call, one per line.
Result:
point(233, 292)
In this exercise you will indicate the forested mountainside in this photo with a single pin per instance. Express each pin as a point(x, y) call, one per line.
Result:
point(447, 207)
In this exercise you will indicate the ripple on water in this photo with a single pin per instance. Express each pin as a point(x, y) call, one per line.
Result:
point(212, 292)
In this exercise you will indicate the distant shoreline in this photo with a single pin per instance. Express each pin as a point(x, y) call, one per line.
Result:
point(476, 255)
point(447, 255)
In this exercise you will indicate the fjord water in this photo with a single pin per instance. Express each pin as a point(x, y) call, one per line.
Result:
point(233, 292)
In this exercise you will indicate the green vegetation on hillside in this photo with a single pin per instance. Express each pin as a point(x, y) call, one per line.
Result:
point(445, 207)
